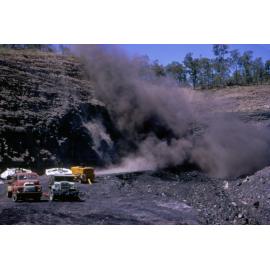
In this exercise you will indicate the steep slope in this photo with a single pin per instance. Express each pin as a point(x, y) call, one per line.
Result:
point(48, 113)
point(251, 103)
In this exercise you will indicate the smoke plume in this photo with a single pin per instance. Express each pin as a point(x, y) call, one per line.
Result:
point(170, 125)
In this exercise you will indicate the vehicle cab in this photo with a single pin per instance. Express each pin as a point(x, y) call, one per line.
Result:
point(23, 186)
point(63, 187)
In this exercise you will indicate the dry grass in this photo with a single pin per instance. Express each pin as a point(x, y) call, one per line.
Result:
point(242, 98)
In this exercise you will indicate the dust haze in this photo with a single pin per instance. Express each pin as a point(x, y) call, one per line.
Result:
point(168, 124)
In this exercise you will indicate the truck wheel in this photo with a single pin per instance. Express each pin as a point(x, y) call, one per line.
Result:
point(9, 194)
point(15, 197)
point(84, 179)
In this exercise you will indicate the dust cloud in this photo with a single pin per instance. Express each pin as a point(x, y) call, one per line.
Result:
point(170, 125)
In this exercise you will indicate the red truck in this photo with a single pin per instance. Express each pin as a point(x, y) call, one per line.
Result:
point(24, 186)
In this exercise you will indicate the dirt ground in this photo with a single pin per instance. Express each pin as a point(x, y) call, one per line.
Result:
point(111, 200)
point(164, 197)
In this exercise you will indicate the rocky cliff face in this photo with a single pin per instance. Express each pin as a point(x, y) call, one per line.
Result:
point(49, 115)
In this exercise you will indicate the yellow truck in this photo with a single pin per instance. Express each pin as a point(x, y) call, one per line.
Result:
point(84, 175)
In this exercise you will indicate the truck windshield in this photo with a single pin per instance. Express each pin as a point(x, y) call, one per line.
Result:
point(27, 176)
point(64, 178)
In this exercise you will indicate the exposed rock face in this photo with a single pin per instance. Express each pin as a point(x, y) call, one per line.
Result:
point(49, 115)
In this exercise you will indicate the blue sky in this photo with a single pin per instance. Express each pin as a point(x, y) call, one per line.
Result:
point(168, 53)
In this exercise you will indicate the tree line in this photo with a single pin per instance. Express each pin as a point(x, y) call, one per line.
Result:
point(41, 47)
point(226, 68)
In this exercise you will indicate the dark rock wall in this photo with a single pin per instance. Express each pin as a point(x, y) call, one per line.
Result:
point(49, 115)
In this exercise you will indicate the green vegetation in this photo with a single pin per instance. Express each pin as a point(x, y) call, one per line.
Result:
point(60, 48)
point(227, 68)
point(41, 47)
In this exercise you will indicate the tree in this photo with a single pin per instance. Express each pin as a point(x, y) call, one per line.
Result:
point(234, 63)
point(220, 50)
point(177, 71)
point(267, 71)
point(258, 71)
point(158, 69)
point(205, 73)
point(192, 67)
point(221, 64)
point(246, 67)
point(41, 47)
